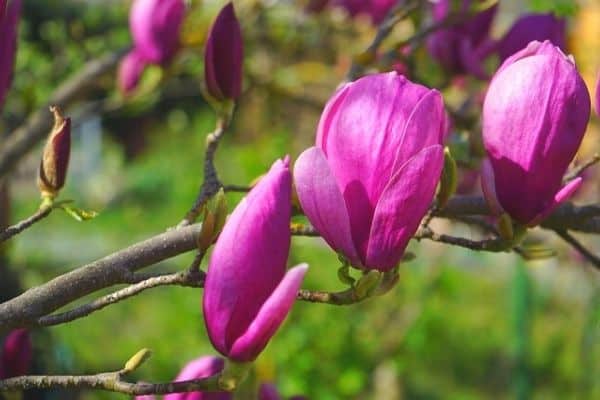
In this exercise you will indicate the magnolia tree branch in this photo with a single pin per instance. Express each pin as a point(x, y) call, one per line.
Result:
point(188, 278)
point(211, 183)
point(117, 268)
point(109, 381)
point(29, 308)
point(35, 129)
point(19, 227)
point(587, 254)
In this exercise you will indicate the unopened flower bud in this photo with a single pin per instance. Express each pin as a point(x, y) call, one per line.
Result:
point(55, 159)
point(223, 56)
point(448, 181)
point(215, 213)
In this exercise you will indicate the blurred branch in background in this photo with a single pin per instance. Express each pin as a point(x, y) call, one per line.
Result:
point(36, 127)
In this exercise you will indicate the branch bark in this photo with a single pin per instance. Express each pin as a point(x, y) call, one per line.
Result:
point(117, 268)
point(19, 227)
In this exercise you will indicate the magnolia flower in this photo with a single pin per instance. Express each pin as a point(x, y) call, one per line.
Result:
point(534, 116)
point(247, 293)
point(372, 175)
point(223, 56)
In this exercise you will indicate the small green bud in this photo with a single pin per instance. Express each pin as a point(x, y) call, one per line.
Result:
point(215, 213)
point(367, 284)
point(448, 181)
point(505, 227)
point(136, 360)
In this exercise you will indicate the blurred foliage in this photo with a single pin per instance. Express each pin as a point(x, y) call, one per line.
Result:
point(460, 325)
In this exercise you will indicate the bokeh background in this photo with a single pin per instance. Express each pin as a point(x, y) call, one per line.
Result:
point(459, 325)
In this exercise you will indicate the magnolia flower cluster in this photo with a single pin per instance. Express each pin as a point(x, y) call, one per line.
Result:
point(464, 46)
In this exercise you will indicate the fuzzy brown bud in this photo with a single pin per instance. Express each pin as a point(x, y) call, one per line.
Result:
point(55, 159)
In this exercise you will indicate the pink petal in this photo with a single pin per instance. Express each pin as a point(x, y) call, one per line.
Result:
point(563, 194)
point(270, 317)
point(249, 258)
point(401, 207)
point(425, 127)
point(323, 203)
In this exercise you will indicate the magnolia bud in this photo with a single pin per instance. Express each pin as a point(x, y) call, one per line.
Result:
point(55, 159)
point(223, 56)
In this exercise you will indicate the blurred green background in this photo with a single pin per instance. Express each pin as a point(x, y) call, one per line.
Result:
point(459, 325)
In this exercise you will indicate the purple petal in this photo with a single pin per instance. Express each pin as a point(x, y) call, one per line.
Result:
point(401, 207)
point(269, 318)
point(199, 368)
point(130, 70)
point(563, 195)
point(223, 56)
point(16, 354)
point(598, 96)
point(323, 203)
point(249, 258)
point(268, 391)
point(532, 27)
point(155, 26)
point(9, 21)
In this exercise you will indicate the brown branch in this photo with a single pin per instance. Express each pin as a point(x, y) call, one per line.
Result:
point(570, 239)
point(109, 381)
point(343, 298)
point(117, 268)
point(186, 278)
point(37, 125)
point(581, 168)
point(237, 188)
point(211, 183)
point(19, 227)
point(493, 245)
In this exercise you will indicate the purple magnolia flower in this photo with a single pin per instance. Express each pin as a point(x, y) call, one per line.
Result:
point(199, 368)
point(372, 175)
point(10, 11)
point(155, 26)
point(532, 27)
point(268, 391)
point(463, 47)
point(130, 71)
point(248, 293)
point(534, 116)
point(223, 56)
point(16, 355)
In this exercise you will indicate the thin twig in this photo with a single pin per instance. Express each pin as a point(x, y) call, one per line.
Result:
point(19, 227)
point(570, 239)
point(117, 268)
point(493, 245)
point(109, 381)
point(581, 168)
point(343, 298)
point(237, 188)
point(211, 183)
point(395, 15)
point(184, 278)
